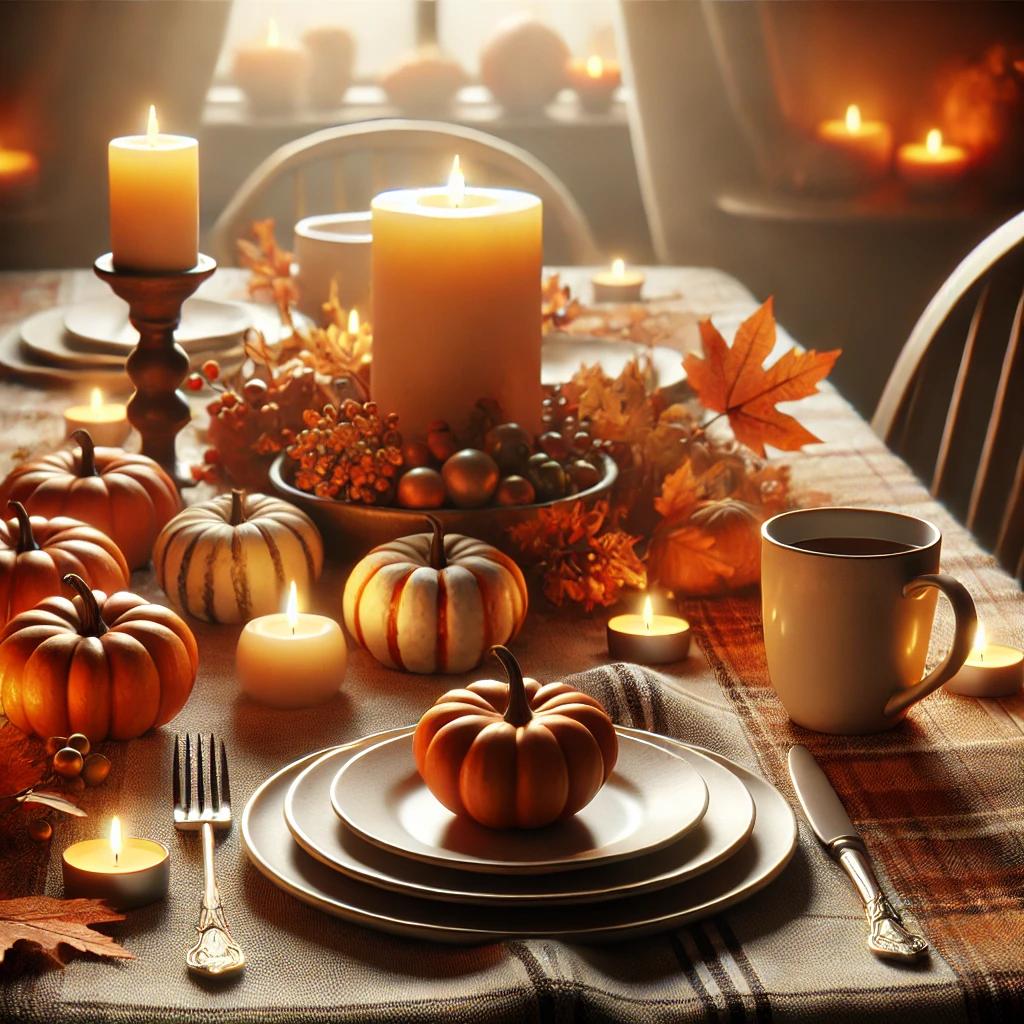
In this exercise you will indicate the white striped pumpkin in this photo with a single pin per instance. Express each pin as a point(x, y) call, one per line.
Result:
point(232, 558)
point(434, 603)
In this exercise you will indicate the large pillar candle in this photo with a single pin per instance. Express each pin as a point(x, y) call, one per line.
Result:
point(456, 304)
point(154, 201)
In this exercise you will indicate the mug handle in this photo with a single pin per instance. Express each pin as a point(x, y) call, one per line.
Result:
point(966, 617)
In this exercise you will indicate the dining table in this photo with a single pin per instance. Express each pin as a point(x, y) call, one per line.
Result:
point(939, 800)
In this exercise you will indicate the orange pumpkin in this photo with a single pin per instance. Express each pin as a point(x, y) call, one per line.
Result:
point(36, 554)
point(104, 666)
point(515, 754)
point(128, 497)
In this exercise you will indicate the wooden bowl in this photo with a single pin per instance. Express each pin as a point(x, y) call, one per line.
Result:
point(350, 530)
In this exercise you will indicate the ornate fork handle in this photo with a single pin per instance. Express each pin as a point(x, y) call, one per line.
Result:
point(215, 952)
point(888, 936)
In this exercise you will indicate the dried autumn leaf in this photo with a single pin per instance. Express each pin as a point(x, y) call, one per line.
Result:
point(47, 923)
point(733, 381)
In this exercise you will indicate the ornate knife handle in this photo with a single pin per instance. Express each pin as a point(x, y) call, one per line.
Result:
point(215, 952)
point(888, 936)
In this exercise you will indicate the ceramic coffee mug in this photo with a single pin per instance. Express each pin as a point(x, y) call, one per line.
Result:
point(333, 249)
point(848, 598)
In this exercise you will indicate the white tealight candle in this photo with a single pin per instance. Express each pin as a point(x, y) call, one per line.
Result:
point(291, 660)
point(648, 639)
point(991, 670)
point(617, 284)
point(107, 422)
point(125, 871)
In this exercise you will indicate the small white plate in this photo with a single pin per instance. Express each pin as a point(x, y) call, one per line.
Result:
point(45, 337)
point(278, 857)
point(17, 360)
point(102, 324)
point(724, 828)
point(562, 354)
point(651, 799)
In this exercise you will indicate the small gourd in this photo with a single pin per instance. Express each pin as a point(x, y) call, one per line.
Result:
point(233, 557)
point(516, 754)
point(433, 602)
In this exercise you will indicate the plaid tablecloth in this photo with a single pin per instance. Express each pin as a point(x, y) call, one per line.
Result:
point(940, 802)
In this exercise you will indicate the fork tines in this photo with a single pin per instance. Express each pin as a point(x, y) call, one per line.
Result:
point(191, 806)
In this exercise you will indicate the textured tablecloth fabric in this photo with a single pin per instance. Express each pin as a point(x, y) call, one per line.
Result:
point(940, 802)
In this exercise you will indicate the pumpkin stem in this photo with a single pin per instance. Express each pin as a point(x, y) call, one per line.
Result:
point(87, 460)
point(26, 540)
point(92, 623)
point(518, 712)
point(438, 559)
point(237, 507)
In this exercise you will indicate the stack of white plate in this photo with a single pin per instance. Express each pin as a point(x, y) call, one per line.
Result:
point(677, 833)
point(90, 341)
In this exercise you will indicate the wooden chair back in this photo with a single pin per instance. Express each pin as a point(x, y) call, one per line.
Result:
point(967, 345)
point(343, 168)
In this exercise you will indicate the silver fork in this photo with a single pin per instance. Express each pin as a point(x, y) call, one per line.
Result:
point(215, 952)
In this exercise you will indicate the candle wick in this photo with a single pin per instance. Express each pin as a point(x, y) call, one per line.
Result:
point(117, 857)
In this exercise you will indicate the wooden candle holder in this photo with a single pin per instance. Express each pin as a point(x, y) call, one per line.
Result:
point(158, 364)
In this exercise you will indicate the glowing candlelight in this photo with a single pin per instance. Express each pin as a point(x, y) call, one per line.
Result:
point(292, 609)
point(991, 670)
point(353, 322)
point(107, 422)
point(594, 67)
point(617, 284)
point(933, 167)
point(270, 72)
point(648, 614)
point(456, 184)
point(853, 120)
point(647, 638)
point(19, 173)
point(273, 36)
point(116, 844)
point(862, 148)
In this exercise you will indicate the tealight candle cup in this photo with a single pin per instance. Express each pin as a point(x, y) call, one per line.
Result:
point(653, 640)
point(991, 670)
point(107, 422)
point(139, 875)
point(617, 284)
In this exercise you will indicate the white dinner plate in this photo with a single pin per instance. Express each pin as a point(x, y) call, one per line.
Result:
point(102, 324)
point(274, 853)
point(44, 336)
point(562, 354)
point(723, 829)
point(16, 360)
point(651, 799)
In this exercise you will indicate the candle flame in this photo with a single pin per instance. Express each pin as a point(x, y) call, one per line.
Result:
point(978, 644)
point(152, 125)
point(353, 321)
point(456, 184)
point(648, 613)
point(595, 67)
point(95, 399)
point(933, 141)
point(116, 843)
point(273, 35)
point(853, 119)
point(292, 609)
point(618, 268)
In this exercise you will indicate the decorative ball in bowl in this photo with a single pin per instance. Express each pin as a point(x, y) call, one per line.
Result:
point(349, 528)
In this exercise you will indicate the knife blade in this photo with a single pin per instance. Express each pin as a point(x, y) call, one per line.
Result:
point(887, 935)
point(821, 805)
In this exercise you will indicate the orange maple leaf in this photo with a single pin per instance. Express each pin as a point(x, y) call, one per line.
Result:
point(733, 381)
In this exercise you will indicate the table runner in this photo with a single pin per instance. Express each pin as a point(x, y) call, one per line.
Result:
point(940, 802)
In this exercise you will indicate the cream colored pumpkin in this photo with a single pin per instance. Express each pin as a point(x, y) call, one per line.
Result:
point(232, 558)
point(430, 603)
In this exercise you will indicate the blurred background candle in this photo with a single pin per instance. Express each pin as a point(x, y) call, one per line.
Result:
point(933, 167)
point(991, 670)
point(456, 303)
point(125, 871)
point(291, 659)
point(617, 284)
point(154, 200)
point(865, 147)
point(19, 172)
point(648, 639)
point(270, 73)
point(595, 81)
point(107, 422)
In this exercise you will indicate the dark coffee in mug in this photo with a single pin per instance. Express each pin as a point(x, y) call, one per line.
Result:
point(852, 546)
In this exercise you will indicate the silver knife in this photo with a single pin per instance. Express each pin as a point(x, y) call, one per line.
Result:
point(888, 936)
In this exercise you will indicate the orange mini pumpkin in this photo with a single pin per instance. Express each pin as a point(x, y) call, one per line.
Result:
point(104, 666)
point(515, 754)
point(128, 497)
point(36, 554)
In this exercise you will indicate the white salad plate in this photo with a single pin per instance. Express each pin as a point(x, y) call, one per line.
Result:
point(102, 324)
point(273, 851)
point(723, 829)
point(652, 798)
point(562, 354)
